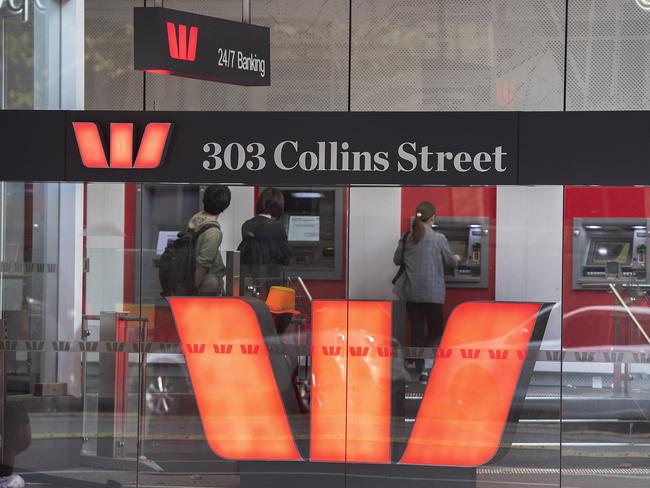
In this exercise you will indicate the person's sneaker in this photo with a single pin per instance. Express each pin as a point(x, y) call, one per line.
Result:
point(13, 481)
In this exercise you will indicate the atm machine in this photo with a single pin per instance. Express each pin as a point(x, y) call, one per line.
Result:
point(313, 220)
point(608, 251)
point(468, 238)
point(165, 210)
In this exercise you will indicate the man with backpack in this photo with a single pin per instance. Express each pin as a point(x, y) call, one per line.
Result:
point(192, 264)
point(210, 269)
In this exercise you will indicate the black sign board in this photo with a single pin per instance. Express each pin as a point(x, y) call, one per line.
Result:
point(584, 148)
point(333, 148)
point(299, 148)
point(196, 46)
point(33, 145)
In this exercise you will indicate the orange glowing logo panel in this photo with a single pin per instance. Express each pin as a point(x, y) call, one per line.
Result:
point(236, 391)
point(460, 422)
point(468, 399)
point(150, 154)
point(351, 372)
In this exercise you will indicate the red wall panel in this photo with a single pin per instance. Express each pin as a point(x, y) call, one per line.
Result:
point(583, 327)
point(130, 218)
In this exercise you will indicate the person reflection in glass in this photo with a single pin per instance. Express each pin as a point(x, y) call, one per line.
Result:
point(423, 256)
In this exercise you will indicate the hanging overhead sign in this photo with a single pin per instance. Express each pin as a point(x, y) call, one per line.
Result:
point(196, 46)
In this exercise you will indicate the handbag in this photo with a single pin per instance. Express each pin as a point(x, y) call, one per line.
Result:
point(402, 266)
point(401, 277)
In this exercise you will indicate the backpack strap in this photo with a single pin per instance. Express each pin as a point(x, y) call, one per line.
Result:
point(204, 227)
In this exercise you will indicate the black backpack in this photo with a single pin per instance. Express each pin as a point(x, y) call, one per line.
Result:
point(178, 263)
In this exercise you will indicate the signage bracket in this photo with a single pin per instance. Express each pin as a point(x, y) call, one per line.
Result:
point(246, 11)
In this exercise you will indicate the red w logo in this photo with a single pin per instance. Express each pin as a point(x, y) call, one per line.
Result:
point(249, 414)
point(150, 153)
point(182, 46)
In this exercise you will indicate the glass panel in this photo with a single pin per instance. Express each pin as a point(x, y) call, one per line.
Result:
point(309, 43)
point(469, 397)
point(607, 62)
point(605, 335)
point(230, 387)
point(111, 83)
point(309, 46)
point(17, 45)
point(30, 54)
point(69, 415)
point(451, 56)
point(112, 329)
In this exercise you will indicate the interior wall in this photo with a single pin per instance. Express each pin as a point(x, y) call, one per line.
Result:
point(529, 248)
point(104, 247)
point(70, 235)
point(374, 232)
point(241, 209)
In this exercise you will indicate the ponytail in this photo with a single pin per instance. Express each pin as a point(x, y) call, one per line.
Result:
point(417, 230)
point(423, 213)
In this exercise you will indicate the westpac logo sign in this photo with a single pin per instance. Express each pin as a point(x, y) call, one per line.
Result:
point(182, 44)
point(151, 151)
point(172, 42)
point(249, 411)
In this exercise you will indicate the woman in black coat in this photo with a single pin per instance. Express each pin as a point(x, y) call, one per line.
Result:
point(265, 248)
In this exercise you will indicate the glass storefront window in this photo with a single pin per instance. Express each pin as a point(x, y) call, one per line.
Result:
point(300, 372)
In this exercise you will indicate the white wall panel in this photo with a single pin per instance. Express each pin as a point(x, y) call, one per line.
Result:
point(105, 247)
point(70, 281)
point(529, 247)
point(374, 232)
point(241, 209)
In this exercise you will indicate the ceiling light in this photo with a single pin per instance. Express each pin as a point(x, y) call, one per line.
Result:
point(307, 194)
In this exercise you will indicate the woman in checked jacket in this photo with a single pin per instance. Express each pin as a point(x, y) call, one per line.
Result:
point(423, 255)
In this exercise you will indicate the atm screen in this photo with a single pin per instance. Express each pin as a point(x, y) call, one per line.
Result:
point(604, 251)
point(460, 248)
point(165, 237)
point(312, 219)
point(304, 228)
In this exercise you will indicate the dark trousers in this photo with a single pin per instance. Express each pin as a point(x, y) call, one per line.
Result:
point(426, 326)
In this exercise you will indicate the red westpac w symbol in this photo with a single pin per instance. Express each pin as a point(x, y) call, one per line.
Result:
point(151, 152)
point(182, 45)
point(248, 413)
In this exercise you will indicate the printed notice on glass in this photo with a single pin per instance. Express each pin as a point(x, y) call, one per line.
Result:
point(304, 228)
